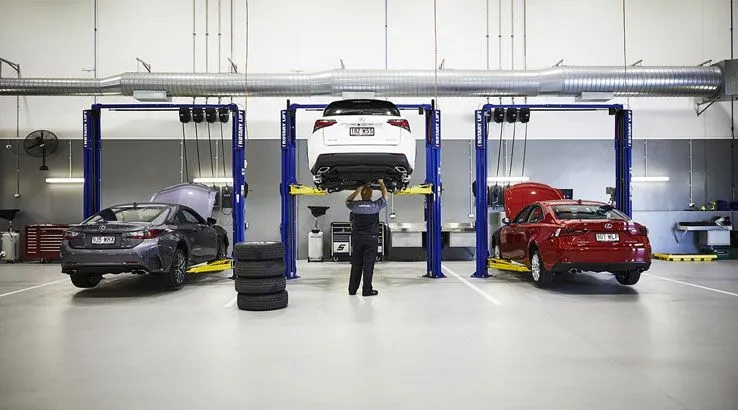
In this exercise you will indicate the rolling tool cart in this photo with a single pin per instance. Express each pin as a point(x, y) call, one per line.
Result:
point(341, 241)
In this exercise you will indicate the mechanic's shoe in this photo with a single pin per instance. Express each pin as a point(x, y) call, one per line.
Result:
point(352, 293)
point(370, 293)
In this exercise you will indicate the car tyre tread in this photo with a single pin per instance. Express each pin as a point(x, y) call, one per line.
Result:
point(261, 303)
point(258, 251)
point(261, 286)
point(259, 269)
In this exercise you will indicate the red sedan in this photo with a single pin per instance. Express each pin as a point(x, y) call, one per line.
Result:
point(552, 235)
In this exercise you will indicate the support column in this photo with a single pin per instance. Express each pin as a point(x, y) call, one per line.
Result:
point(624, 161)
point(481, 219)
point(433, 201)
point(238, 170)
point(288, 228)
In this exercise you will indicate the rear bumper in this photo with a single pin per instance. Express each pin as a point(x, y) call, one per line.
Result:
point(613, 259)
point(362, 162)
point(612, 267)
point(144, 257)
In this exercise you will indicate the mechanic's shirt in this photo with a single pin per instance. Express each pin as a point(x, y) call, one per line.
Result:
point(365, 215)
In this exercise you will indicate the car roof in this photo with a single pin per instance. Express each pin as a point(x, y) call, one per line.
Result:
point(571, 202)
point(144, 205)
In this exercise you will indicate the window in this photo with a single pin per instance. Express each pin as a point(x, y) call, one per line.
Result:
point(536, 215)
point(522, 215)
point(186, 217)
point(361, 107)
point(153, 214)
point(588, 211)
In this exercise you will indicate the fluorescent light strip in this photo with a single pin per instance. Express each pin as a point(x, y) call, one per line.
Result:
point(650, 179)
point(65, 180)
point(213, 180)
point(508, 179)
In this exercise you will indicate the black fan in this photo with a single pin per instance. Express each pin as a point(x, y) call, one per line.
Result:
point(39, 144)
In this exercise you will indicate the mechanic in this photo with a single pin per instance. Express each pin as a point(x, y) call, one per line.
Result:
point(364, 236)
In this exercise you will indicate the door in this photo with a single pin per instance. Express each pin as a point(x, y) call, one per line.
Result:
point(509, 233)
point(199, 236)
point(529, 230)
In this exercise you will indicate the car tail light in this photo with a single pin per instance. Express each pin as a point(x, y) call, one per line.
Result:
point(639, 230)
point(322, 124)
point(568, 232)
point(145, 234)
point(68, 235)
point(400, 123)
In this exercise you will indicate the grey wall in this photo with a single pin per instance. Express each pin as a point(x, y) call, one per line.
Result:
point(132, 169)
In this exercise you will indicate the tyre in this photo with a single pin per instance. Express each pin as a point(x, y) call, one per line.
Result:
point(260, 286)
point(541, 277)
point(85, 280)
point(258, 251)
point(260, 303)
point(628, 278)
point(260, 269)
point(175, 276)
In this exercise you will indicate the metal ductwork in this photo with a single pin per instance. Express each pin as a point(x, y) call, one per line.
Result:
point(555, 81)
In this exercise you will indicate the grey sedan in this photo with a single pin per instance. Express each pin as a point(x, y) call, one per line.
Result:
point(162, 239)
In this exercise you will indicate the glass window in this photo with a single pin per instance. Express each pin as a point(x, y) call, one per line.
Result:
point(186, 217)
point(361, 107)
point(536, 215)
point(153, 214)
point(588, 211)
point(522, 215)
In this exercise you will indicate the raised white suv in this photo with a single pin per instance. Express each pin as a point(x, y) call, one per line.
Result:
point(359, 141)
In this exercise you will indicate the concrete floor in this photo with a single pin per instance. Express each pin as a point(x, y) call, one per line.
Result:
point(426, 344)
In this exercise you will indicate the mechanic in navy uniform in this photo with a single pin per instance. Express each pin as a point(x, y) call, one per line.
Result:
point(365, 230)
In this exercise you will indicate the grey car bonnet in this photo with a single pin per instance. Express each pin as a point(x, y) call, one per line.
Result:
point(199, 197)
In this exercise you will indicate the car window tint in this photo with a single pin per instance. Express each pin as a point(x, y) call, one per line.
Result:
point(522, 215)
point(588, 211)
point(361, 107)
point(191, 218)
point(180, 218)
point(130, 214)
point(536, 214)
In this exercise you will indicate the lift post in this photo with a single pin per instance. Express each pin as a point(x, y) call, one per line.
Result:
point(431, 189)
point(623, 166)
point(92, 146)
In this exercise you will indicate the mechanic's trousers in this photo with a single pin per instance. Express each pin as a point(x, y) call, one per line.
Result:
point(363, 255)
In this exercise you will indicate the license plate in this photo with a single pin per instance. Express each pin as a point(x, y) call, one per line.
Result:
point(103, 240)
point(361, 131)
point(608, 237)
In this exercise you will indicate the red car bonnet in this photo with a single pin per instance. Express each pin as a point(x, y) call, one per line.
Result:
point(520, 195)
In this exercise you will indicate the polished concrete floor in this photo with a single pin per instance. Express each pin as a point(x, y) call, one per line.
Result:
point(670, 342)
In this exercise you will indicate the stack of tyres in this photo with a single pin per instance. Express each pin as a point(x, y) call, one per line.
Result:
point(260, 276)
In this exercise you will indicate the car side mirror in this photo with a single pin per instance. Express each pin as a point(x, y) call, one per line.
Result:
point(211, 221)
point(506, 221)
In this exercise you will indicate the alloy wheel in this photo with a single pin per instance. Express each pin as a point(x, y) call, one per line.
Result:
point(535, 267)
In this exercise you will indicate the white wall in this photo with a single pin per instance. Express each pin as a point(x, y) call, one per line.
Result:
point(54, 39)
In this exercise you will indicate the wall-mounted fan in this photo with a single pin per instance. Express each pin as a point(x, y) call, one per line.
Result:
point(40, 144)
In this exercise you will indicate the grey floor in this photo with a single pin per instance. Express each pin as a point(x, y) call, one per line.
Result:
point(422, 344)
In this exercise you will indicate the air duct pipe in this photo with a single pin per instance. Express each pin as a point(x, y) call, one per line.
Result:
point(554, 81)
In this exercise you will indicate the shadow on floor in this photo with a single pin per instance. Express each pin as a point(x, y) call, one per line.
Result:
point(139, 286)
point(573, 284)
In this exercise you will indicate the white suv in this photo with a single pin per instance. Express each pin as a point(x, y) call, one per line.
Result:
point(359, 141)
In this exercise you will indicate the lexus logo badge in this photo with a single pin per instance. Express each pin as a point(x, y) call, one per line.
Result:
point(608, 226)
point(103, 227)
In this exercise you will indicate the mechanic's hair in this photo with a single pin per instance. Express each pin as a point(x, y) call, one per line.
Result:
point(366, 193)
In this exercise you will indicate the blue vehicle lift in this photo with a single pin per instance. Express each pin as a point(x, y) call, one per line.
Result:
point(289, 187)
point(92, 145)
point(623, 165)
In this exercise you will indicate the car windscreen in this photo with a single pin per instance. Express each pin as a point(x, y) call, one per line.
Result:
point(584, 211)
point(361, 107)
point(155, 215)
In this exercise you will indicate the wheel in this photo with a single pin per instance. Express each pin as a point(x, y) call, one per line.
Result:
point(85, 280)
point(175, 276)
point(222, 249)
point(541, 277)
point(258, 270)
point(335, 259)
point(261, 286)
point(258, 251)
point(262, 302)
point(628, 278)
